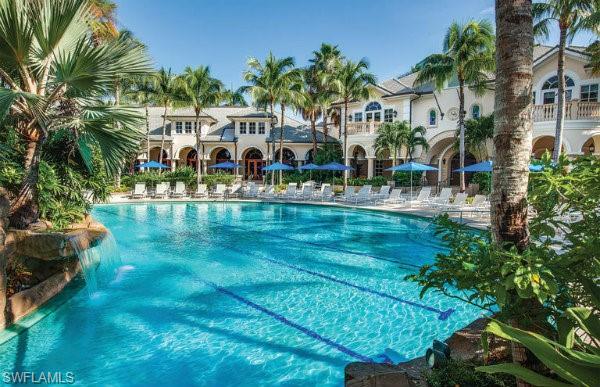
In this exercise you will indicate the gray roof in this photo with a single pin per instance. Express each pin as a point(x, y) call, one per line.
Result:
point(292, 134)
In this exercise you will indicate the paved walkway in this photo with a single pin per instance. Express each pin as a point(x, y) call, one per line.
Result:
point(479, 220)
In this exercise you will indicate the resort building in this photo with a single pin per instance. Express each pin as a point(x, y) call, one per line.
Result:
point(399, 99)
point(238, 134)
point(242, 135)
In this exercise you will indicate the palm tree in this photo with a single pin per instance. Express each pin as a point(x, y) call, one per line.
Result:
point(142, 91)
point(267, 82)
point(352, 82)
point(325, 63)
point(200, 90)
point(415, 137)
point(290, 95)
point(513, 128)
point(468, 57)
point(62, 76)
point(477, 134)
point(571, 18)
point(103, 23)
point(235, 98)
point(391, 136)
point(166, 92)
point(594, 51)
point(311, 107)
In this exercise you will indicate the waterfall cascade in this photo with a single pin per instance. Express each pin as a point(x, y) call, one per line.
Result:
point(99, 262)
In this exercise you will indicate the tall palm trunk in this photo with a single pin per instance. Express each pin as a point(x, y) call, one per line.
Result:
point(281, 141)
point(4, 210)
point(461, 125)
point(313, 128)
point(512, 130)
point(325, 128)
point(162, 138)
point(24, 208)
point(118, 103)
point(147, 134)
point(560, 106)
point(199, 153)
point(271, 105)
point(345, 154)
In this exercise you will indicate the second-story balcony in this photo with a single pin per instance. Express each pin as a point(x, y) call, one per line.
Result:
point(574, 110)
point(363, 127)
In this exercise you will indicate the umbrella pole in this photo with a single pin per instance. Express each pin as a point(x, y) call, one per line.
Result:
point(411, 186)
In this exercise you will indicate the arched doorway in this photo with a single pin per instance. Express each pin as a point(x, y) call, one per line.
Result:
point(253, 164)
point(543, 144)
point(191, 159)
point(288, 157)
point(358, 161)
point(455, 164)
point(222, 156)
point(590, 147)
point(155, 156)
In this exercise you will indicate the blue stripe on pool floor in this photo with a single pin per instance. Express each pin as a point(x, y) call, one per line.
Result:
point(290, 323)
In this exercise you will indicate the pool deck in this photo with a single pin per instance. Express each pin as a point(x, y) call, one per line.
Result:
point(476, 220)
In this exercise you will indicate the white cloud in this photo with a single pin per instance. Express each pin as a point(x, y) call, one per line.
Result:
point(487, 11)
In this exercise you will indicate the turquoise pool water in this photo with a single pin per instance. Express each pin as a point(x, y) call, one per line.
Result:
point(244, 294)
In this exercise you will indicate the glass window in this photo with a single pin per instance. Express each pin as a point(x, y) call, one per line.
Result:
point(261, 128)
point(358, 117)
point(379, 167)
point(568, 94)
point(534, 97)
point(376, 116)
point(252, 128)
point(549, 97)
point(432, 118)
point(388, 115)
point(242, 128)
point(475, 112)
point(552, 82)
point(589, 93)
point(373, 106)
point(178, 127)
point(188, 127)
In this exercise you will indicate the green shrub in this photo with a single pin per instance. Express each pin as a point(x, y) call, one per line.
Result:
point(219, 178)
point(402, 179)
point(296, 177)
point(462, 373)
point(484, 179)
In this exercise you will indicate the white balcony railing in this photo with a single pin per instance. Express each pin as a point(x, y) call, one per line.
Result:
point(363, 127)
point(574, 110)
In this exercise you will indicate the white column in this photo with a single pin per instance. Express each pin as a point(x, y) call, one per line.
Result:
point(370, 165)
point(440, 169)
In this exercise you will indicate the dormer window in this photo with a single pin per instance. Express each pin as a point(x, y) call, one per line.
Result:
point(188, 127)
point(261, 128)
point(178, 127)
point(251, 127)
point(242, 128)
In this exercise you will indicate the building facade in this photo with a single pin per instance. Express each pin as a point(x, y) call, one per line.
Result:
point(238, 134)
point(437, 111)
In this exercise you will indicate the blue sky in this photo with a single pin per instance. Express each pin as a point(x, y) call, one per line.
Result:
point(391, 34)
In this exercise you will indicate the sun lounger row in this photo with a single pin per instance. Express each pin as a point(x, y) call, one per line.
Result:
point(164, 190)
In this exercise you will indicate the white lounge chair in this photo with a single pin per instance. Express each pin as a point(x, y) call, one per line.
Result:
point(307, 191)
point(161, 191)
point(139, 191)
point(179, 190)
point(290, 191)
point(363, 195)
point(235, 190)
point(422, 197)
point(384, 193)
point(201, 191)
point(460, 200)
point(219, 191)
point(251, 190)
point(478, 206)
point(324, 194)
point(267, 193)
point(348, 194)
point(395, 197)
point(443, 198)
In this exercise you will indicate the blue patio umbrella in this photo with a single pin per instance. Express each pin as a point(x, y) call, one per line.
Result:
point(308, 167)
point(225, 165)
point(410, 167)
point(278, 167)
point(333, 166)
point(488, 165)
point(153, 164)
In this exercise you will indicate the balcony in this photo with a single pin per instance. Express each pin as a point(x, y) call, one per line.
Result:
point(574, 110)
point(363, 127)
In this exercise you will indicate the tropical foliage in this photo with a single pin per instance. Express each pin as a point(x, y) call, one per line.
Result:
point(468, 60)
point(478, 132)
point(56, 77)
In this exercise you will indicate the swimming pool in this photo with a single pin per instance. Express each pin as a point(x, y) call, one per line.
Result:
point(236, 294)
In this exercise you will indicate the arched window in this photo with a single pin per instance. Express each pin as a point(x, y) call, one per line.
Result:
point(475, 111)
point(550, 88)
point(371, 106)
point(432, 117)
point(288, 156)
point(373, 111)
point(223, 155)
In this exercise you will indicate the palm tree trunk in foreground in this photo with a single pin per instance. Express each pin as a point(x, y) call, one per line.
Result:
point(313, 129)
point(4, 209)
point(512, 130)
point(24, 209)
point(147, 135)
point(560, 106)
point(461, 125)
